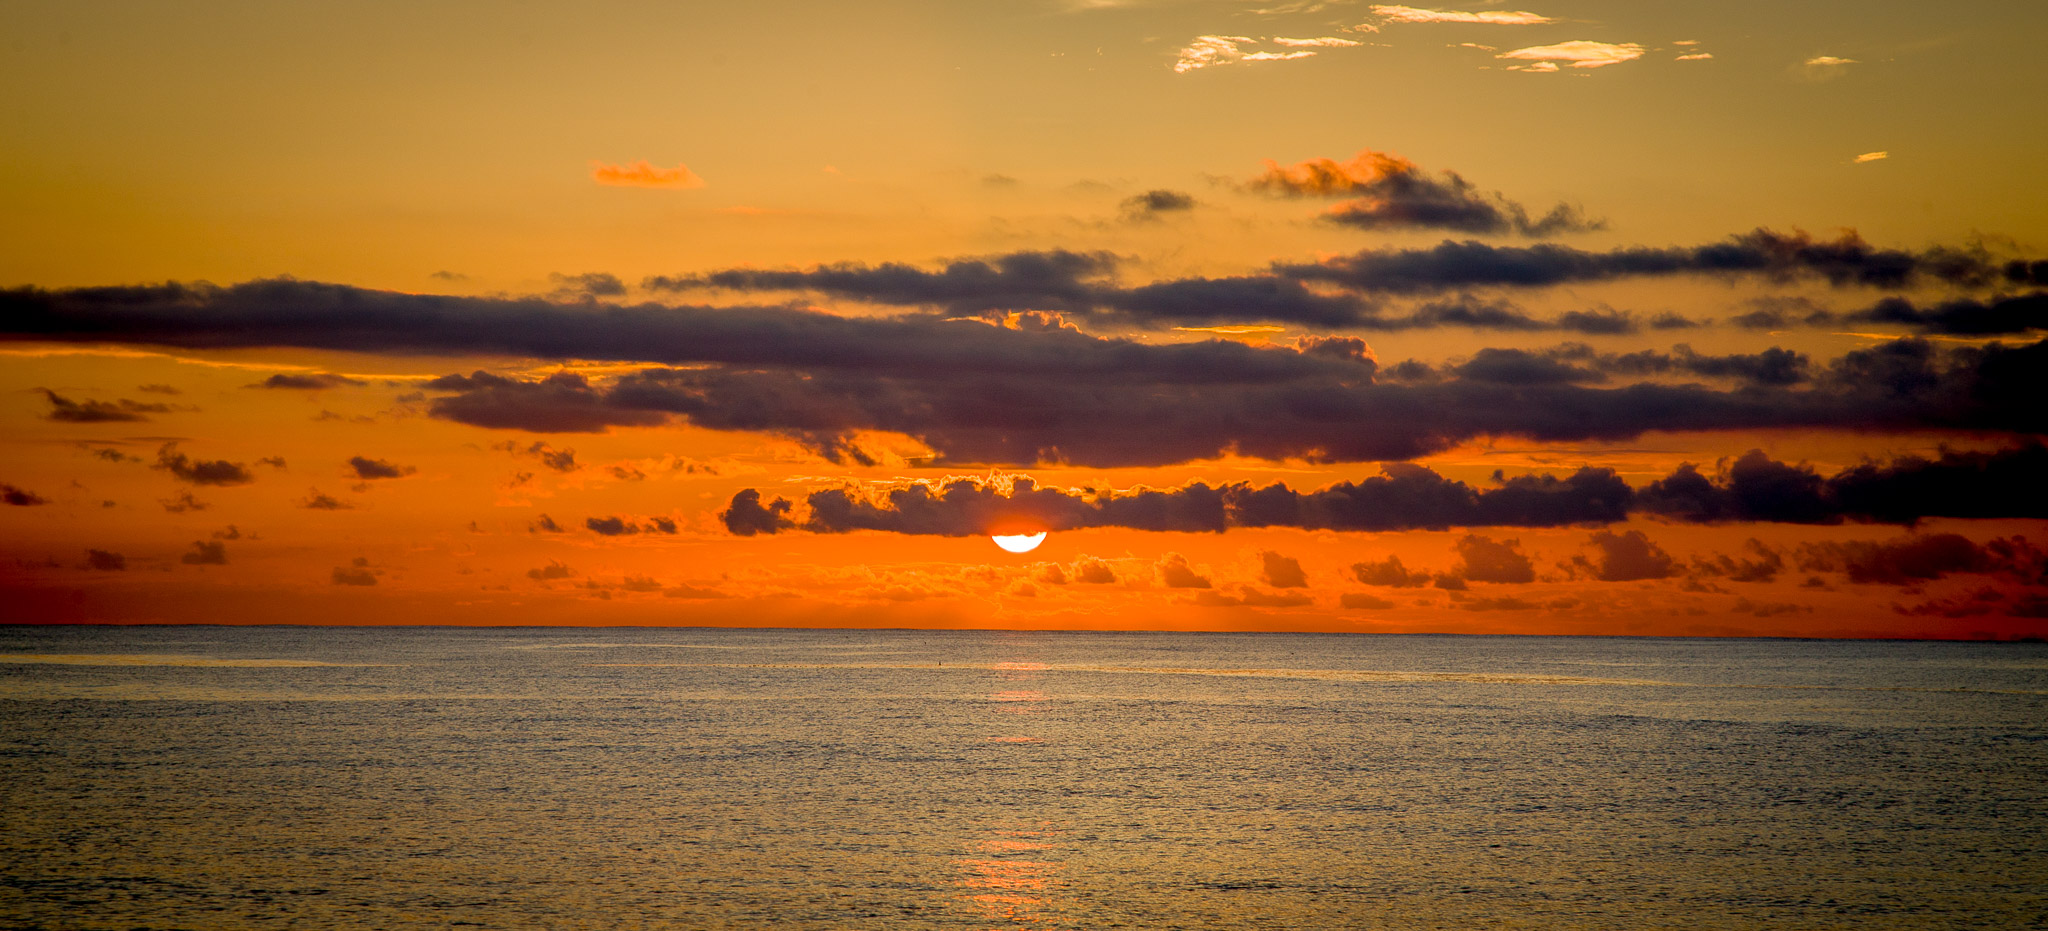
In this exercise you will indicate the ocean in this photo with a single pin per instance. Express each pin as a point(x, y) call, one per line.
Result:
point(286, 777)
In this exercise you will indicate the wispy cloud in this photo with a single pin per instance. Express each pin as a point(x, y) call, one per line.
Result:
point(1578, 53)
point(1696, 56)
point(1209, 51)
point(1318, 42)
point(1872, 157)
point(642, 174)
point(1391, 191)
point(1409, 14)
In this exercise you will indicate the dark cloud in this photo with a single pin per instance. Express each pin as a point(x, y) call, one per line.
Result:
point(275, 462)
point(1174, 572)
point(104, 561)
point(20, 497)
point(981, 394)
point(206, 553)
point(620, 526)
point(553, 570)
point(1388, 572)
point(1281, 571)
point(1052, 280)
point(1846, 260)
point(2004, 483)
point(357, 572)
point(1149, 205)
point(123, 410)
point(367, 468)
point(182, 502)
point(201, 471)
point(317, 501)
point(1998, 317)
point(114, 455)
point(1486, 560)
point(589, 285)
point(1625, 557)
point(1389, 192)
point(1360, 601)
point(309, 381)
point(1915, 559)
point(545, 524)
point(1762, 564)
point(159, 389)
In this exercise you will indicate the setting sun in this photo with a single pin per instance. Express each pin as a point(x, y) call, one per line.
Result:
point(1019, 542)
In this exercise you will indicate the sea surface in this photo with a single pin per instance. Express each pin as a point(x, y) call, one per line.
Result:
point(281, 777)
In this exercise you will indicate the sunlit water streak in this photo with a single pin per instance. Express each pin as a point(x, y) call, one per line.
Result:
point(313, 778)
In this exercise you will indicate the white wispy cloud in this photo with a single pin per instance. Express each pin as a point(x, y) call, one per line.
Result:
point(1578, 53)
point(1409, 14)
point(1829, 61)
point(1210, 51)
point(1872, 157)
point(1696, 56)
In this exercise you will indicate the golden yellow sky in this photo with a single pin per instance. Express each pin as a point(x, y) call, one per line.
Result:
point(784, 249)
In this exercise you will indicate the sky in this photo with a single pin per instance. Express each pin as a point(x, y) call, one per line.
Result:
point(1571, 317)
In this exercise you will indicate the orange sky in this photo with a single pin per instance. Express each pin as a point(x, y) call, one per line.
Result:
point(535, 321)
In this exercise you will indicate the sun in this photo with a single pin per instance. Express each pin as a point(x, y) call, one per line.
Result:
point(1019, 543)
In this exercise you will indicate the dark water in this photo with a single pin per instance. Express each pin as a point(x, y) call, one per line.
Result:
point(311, 778)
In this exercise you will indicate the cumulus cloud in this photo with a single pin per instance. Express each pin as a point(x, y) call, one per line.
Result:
point(1578, 53)
point(1999, 316)
point(1174, 572)
point(1387, 192)
point(643, 174)
point(1483, 559)
point(553, 570)
point(1388, 572)
point(1281, 571)
point(104, 561)
point(366, 468)
point(201, 471)
point(1921, 558)
point(315, 500)
point(1409, 14)
point(1758, 563)
point(1625, 557)
point(357, 572)
point(206, 553)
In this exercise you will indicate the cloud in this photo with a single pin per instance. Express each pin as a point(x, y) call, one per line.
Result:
point(1250, 597)
point(309, 381)
point(982, 394)
point(1578, 53)
point(1055, 279)
point(1174, 572)
point(367, 468)
point(206, 553)
point(1211, 51)
point(1388, 572)
point(545, 524)
point(1625, 557)
point(1409, 14)
point(1914, 559)
point(182, 502)
point(1695, 56)
point(1964, 317)
point(553, 570)
point(1318, 42)
point(357, 572)
point(1843, 261)
point(1360, 601)
point(201, 471)
point(66, 410)
point(1761, 565)
point(315, 500)
point(1151, 204)
point(642, 174)
point(1281, 571)
point(20, 497)
point(1487, 560)
point(1089, 570)
point(1389, 191)
point(620, 526)
point(585, 286)
point(104, 561)
point(1872, 157)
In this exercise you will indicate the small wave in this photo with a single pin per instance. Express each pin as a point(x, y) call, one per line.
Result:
point(162, 659)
